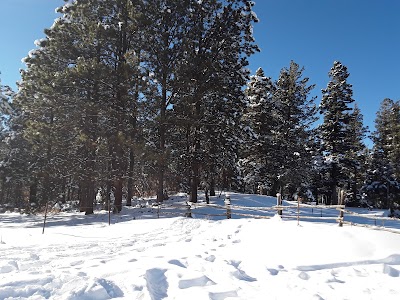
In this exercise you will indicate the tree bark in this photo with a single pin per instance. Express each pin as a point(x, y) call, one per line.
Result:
point(212, 185)
point(118, 184)
point(161, 158)
point(33, 192)
point(130, 177)
point(195, 160)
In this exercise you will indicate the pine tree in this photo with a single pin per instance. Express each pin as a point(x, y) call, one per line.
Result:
point(165, 30)
point(6, 96)
point(257, 163)
point(356, 155)
point(295, 110)
point(337, 116)
point(218, 44)
point(382, 183)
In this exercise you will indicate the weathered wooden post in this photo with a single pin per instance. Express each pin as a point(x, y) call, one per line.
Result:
point(188, 214)
point(341, 202)
point(279, 203)
point(228, 206)
point(45, 215)
point(111, 198)
point(298, 210)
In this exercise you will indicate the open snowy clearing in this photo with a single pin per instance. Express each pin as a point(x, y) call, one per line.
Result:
point(193, 258)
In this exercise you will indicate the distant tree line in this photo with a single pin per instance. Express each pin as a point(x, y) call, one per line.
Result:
point(135, 98)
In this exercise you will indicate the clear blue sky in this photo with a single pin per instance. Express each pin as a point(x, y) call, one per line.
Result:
point(363, 34)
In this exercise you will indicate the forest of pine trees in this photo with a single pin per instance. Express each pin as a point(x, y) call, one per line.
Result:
point(132, 98)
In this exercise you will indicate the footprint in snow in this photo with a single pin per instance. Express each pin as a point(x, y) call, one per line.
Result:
point(222, 295)
point(304, 276)
point(392, 272)
point(238, 229)
point(9, 267)
point(273, 272)
point(76, 263)
point(241, 275)
point(177, 263)
point(200, 281)
point(156, 283)
point(234, 263)
point(111, 288)
point(210, 258)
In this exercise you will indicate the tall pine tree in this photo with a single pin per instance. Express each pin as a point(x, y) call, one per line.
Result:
point(295, 111)
point(337, 117)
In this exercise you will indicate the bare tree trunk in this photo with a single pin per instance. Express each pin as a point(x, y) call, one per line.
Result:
point(195, 160)
point(194, 182)
point(130, 178)
point(33, 192)
point(161, 158)
point(212, 185)
point(118, 184)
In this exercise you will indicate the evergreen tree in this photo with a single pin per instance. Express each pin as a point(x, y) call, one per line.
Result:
point(337, 116)
point(218, 44)
point(258, 164)
point(357, 155)
point(166, 27)
point(382, 183)
point(6, 96)
point(295, 111)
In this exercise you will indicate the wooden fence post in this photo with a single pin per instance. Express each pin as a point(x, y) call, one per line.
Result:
point(228, 206)
point(279, 203)
point(298, 210)
point(188, 214)
point(341, 201)
point(45, 215)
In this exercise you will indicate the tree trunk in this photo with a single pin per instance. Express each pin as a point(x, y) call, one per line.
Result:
point(334, 195)
point(2, 190)
point(161, 158)
point(118, 174)
point(194, 182)
point(33, 192)
point(207, 196)
point(212, 185)
point(130, 178)
point(195, 160)
point(87, 197)
point(118, 194)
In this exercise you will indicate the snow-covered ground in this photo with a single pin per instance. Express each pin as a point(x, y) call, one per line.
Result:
point(142, 257)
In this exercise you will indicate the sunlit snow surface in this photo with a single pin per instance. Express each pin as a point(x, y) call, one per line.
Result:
point(142, 257)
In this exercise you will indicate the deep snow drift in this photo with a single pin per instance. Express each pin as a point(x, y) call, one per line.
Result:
point(192, 258)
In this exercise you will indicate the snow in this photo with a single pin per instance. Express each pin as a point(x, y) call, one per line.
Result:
point(142, 257)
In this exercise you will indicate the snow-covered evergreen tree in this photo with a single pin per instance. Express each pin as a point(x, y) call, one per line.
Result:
point(218, 43)
point(6, 96)
point(295, 110)
point(382, 184)
point(335, 130)
point(258, 163)
point(357, 154)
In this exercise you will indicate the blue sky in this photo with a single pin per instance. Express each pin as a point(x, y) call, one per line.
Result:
point(363, 34)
